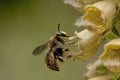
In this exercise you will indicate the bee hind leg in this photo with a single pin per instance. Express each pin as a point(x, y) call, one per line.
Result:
point(67, 54)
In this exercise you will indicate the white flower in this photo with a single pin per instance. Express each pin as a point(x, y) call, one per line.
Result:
point(92, 69)
point(88, 44)
point(80, 4)
point(97, 71)
point(98, 16)
point(111, 55)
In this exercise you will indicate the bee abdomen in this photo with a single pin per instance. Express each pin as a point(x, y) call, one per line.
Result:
point(51, 62)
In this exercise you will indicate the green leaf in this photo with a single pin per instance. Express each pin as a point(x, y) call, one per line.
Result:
point(115, 31)
point(101, 39)
point(118, 1)
point(110, 36)
point(102, 69)
point(116, 24)
point(116, 75)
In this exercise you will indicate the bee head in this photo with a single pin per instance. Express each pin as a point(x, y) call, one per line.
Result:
point(61, 36)
point(61, 33)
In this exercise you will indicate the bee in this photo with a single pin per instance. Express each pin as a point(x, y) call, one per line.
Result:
point(56, 49)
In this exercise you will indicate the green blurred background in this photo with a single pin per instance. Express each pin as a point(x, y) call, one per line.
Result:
point(25, 24)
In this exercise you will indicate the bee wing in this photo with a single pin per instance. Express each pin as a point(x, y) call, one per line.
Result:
point(51, 61)
point(40, 49)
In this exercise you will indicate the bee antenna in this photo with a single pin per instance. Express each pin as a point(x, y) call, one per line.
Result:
point(58, 27)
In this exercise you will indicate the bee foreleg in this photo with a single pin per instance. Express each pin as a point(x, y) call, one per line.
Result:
point(72, 40)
